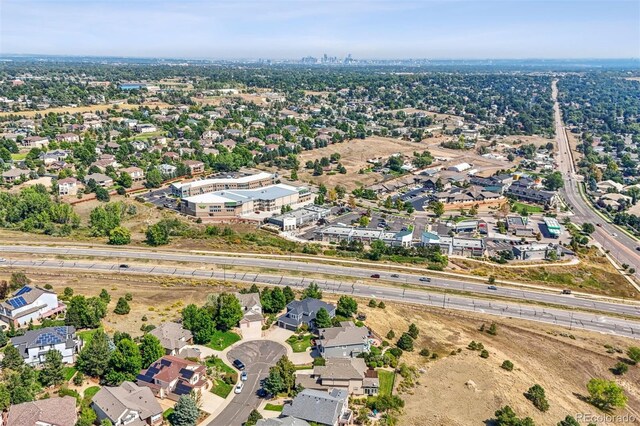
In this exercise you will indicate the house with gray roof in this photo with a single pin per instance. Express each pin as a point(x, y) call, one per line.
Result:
point(53, 411)
point(127, 404)
point(33, 345)
point(286, 421)
point(301, 312)
point(252, 319)
point(30, 303)
point(350, 374)
point(173, 337)
point(323, 408)
point(346, 341)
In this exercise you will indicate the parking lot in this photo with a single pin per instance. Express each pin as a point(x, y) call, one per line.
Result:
point(161, 198)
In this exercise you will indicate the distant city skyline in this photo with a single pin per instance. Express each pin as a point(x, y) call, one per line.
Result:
point(292, 29)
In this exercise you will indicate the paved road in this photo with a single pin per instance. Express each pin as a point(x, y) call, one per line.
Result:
point(221, 262)
point(568, 318)
point(621, 246)
point(257, 356)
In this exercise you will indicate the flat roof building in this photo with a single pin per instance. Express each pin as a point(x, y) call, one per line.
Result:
point(205, 186)
point(553, 227)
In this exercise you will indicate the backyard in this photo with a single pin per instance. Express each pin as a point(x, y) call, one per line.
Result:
point(300, 343)
point(386, 379)
point(222, 339)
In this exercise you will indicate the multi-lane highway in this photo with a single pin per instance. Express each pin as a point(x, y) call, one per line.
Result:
point(319, 269)
point(431, 297)
point(621, 246)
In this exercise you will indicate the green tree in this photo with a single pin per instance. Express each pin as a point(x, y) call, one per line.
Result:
point(568, 421)
point(12, 358)
point(347, 306)
point(588, 228)
point(5, 397)
point(311, 292)
point(606, 394)
point(273, 383)
point(3, 339)
point(200, 322)
point(323, 320)
point(119, 236)
point(52, 369)
point(507, 365)
point(102, 194)
point(229, 311)
point(85, 313)
point(153, 178)
point(553, 181)
point(124, 364)
point(157, 235)
point(413, 331)
point(620, 368)
point(505, 416)
point(254, 416)
point(405, 342)
point(122, 308)
point(289, 295)
point(125, 180)
point(634, 354)
point(93, 360)
point(538, 398)
point(185, 412)
point(87, 417)
point(150, 350)
point(437, 207)
point(18, 280)
point(104, 296)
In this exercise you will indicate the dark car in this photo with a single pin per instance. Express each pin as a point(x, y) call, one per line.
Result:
point(395, 276)
point(425, 279)
point(492, 287)
point(598, 224)
point(238, 364)
point(566, 291)
point(638, 248)
point(124, 266)
point(375, 276)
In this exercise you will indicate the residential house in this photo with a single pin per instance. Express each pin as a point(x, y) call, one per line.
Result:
point(282, 421)
point(345, 341)
point(54, 411)
point(136, 173)
point(173, 337)
point(35, 142)
point(194, 166)
point(68, 137)
point(68, 186)
point(171, 377)
point(350, 374)
point(145, 128)
point(167, 170)
point(319, 407)
point(127, 404)
point(100, 179)
point(14, 175)
point(51, 157)
point(30, 304)
point(301, 312)
point(252, 320)
point(33, 345)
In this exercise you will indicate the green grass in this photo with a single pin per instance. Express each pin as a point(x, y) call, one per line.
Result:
point(221, 388)
point(518, 207)
point(86, 336)
point(219, 365)
point(274, 407)
point(68, 373)
point(299, 345)
point(90, 392)
point(19, 156)
point(167, 413)
point(222, 339)
point(386, 381)
point(304, 367)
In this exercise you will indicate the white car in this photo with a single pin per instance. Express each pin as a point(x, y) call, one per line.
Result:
point(239, 387)
point(2, 259)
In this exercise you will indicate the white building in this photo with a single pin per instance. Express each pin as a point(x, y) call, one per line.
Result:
point(34, 344)
point(30, 303)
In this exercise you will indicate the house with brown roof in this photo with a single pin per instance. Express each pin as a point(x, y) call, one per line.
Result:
point(68, 137)
point(44, 412)
point(136, 173)
point(127, 404)
point(194, 166)
point(35, 142)
point(68, 186)
point(173, 337)
point(171, 377)
point(350, 374)
point(14, 175)
point(252, 321)
point(346, 341)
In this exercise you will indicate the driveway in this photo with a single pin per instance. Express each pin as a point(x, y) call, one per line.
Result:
point(258, 356)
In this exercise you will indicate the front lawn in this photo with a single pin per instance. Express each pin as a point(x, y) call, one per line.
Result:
point(221, 388)
point(68, 373)
point(219, 365)
point(518, 207)
point(300, 343)
point(90, 392)
point(274, 407)
point(386, 382)
point(86, 336)
point(167, 413)
point(222, 339)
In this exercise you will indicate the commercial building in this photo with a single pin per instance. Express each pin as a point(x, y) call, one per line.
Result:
point(205, 186)
point(337, 233)
point(553, 227)
point(229, 204)
point(297, 218)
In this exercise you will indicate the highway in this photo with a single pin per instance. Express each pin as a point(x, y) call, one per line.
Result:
point(621, 246)
point(440, 299)
point(220, 263)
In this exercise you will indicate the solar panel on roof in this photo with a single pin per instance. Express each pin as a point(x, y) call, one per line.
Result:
point(23, 290)
point(17, 302)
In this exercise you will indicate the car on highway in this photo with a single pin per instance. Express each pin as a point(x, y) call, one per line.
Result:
point(637, 248)
point(124, 266)
point(613, 234)
point(2, 259)
point(243, 376)
point(425, 279)
point(375, 275)
point(239, 387)
point(395, 276)
point(599, 225)
point(566, 291)
point(492, 287)
point(238, 364)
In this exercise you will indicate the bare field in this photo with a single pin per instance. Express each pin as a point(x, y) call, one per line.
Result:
point(517, 140)
point(465, 389)
point(354, 154)
point(81, 109)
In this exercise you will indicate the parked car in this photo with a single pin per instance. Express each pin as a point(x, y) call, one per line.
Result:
point(243, 376)
point(238, 364)
point(375, 276)
point(239, 387)
point(492, 287)
point(425, 279)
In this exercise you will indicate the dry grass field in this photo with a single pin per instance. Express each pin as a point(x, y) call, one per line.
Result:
point(81, 109)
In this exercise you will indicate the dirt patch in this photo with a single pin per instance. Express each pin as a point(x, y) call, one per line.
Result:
point(81, 109)
point(465, 389)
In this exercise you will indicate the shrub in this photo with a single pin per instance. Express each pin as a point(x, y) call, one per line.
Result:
point(620, 368)
point(425, 352)
point(122, 308)
point(391, 334)
point(381, 305)
point(507, 365)
point(484, 353)
point(405, 342)
point(373, 304)
point(537, 396)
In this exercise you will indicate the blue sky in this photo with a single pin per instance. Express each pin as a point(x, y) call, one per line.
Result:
point(213, 29)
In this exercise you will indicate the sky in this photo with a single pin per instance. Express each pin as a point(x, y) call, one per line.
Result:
point(291, 29)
